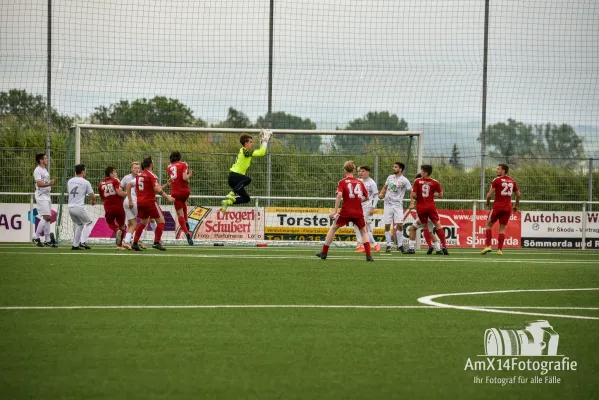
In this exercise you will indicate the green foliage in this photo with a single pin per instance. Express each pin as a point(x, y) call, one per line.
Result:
point(30, 110)
point(373, 121)
point(454, 161)
point(299, 143)
point(235, 119)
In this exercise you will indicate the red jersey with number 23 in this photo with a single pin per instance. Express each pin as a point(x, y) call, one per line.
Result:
point(145, 182)
point(504, 187)
point(353, 191)
point(425, 190)
point(175, 172)
point(111, 200)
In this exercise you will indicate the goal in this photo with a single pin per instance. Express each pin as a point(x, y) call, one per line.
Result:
point(293, 186)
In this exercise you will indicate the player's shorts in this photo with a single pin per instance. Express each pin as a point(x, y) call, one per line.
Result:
point(358, 221)
point(427, 214)
point(393, 214)
point(503, 216)
point(420, 225)
point(115, 218)
point(79, 216)
point(152, 211)
point(130, 213)
point(369, 219)
point(44, 207)
point(180, 199)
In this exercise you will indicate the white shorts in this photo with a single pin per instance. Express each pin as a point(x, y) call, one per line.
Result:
point(44, 207)
point(369, 219)
point(419, 225)
point(393, 214)
point(130, 213)
point(79, 216)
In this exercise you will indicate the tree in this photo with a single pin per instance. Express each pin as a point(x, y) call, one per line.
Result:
point(373, 121)
point(302, 143)
point(31, 111)
point(454, 161)
point(235, 119)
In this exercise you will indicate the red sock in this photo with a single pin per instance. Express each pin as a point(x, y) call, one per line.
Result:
point(138, 231)
point(325, 249)
point(489, 234)
point(501, 239)
point(427, 237)
point(367, 248)
point(158, 233)
point(185, 211)
point(441, 234)
point(182, 225)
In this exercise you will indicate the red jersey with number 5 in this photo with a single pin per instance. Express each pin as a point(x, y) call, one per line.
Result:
point(353, 191)
point(111, 200)
point(145, 182)
point(504, 187)
point(425, 193)
point(175, 173)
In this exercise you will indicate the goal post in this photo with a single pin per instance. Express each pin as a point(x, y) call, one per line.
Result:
point(295, 181)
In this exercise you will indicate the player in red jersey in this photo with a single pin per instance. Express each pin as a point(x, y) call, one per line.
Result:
point(179, 174)
point(146, 187)
point(425, 191)
point(503, 187)
point(353, 192)
point(112, 198)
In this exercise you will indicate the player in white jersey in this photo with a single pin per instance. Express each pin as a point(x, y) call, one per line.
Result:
point(43, 185)
point(368, 207)
point(78, 188)
point(393, 192)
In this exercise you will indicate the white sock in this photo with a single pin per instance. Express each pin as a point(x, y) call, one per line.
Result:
point(87, 229)
point(399, 237)
point(47, 231)
point(40, 228)
point(388, 237)
point(437, 245)
point(128, 237)
point(371, 238)
point(412, 243)
point(77, 236)
point(358, 235)
point(153, 224)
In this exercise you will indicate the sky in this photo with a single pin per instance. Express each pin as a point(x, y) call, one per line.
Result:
point(333, 61)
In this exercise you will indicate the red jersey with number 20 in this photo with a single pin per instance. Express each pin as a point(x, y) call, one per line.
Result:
point(110, 199)
point(425, 190)
point(504, 187)
point(175, 173)
point(353, 191)
point(145, 182)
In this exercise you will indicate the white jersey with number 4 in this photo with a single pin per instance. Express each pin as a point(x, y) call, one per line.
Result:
point(77, 189)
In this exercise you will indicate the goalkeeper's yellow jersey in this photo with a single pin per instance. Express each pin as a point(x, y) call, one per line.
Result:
point(244, 158)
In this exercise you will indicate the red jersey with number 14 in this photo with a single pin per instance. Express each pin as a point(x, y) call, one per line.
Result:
point(175, 173)
point(145, 182)
point(353, 191)
point(425, 189)
point(111, 200)
point(504, 187)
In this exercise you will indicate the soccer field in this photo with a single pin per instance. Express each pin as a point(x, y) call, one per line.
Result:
point(239, 322)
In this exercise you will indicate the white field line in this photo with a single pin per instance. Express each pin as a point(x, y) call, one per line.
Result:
point(357, 258)
point(257, 306)
point(430, 300)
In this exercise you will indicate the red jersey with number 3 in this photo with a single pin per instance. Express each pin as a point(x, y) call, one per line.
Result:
point(144, 183)
point(111, 200)
point(425, 190)
point(175, 173)
point(504, 187)
point(353, 191)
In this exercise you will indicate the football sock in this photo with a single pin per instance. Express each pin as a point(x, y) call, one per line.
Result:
point(86, 231)
point(358, 235)
point(501, 239)
point(77, 235)
point(47, 227)
point(158, 232)
point(185, 211)
point(153, 225)
point(182, 225)
point(427, 237)
point(371, 238)
point(441, 234)
point(437, 245)
point(388, 237)
point(138, 232)
point(128, 237)
point(229, 201)
point(40, 229)
point(399, 237)
point(368, 249)
point(489, 236)
point(325, 249)
point(412, 244)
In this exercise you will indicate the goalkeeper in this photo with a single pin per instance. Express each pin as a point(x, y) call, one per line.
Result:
point(238, 180)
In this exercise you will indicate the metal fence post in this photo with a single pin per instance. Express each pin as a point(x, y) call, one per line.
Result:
point(256, 219)
point(31, 217)
point(584, 226)
point(473, 224)
point(268, 177)
point(159, 174)
point(590, 183)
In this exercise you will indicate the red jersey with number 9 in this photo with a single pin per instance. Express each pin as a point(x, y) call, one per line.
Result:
point(504, 187)
point(425, 190)
point(111, 200)
point(144, 184)
point(353, 191)
point(175, 173)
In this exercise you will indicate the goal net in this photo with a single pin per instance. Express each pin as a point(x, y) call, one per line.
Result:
point(292, 191)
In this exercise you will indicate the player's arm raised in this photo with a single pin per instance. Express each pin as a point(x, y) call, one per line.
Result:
point(160, 190)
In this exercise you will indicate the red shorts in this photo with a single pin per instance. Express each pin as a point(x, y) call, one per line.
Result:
point(503, 216)
point(180, 199)
point(426, 214)
point(115, 218)
point(358, 221)
point(152, 211)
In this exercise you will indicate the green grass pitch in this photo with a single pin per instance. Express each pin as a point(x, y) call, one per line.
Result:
point(122, 325)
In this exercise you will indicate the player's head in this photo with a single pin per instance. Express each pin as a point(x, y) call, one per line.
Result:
point(109, 171)
point(175, 156)
point(364, 171)
point(80, 170)
point(502, 169)
point(147, 163)
point(246, 140)
point(426, 170)
point(398, 168)
point(41, 159)
point(349, 167)
point(135, 167)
